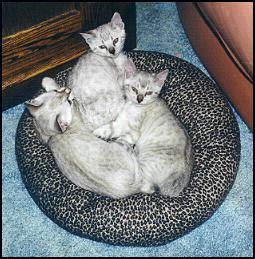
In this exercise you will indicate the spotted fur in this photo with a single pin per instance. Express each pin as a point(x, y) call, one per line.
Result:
point(144, 220)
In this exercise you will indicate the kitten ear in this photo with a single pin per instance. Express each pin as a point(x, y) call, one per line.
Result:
point(116, 21)
point(161, 78)
point(49, 84)
point(64, 119)
point(34, 104)
point(89, 37)
point(130, 68)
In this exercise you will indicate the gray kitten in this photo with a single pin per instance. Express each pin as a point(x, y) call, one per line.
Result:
point(89, 162)
point(97, 79)
point(161, 144)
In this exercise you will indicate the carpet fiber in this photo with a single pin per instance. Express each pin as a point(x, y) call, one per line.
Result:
point(28, 232)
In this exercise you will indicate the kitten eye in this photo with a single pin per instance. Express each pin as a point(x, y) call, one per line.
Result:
point(102, 47)
point(149, 93)
point(70, 102)
point(135, 90)
point(115, 41)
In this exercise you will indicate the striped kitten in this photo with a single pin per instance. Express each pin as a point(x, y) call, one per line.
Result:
point(162, 146)
point(97, 79)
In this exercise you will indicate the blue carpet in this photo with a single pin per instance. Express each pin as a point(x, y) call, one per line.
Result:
point(28, 232)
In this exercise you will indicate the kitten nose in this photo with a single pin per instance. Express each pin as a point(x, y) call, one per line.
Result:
point(112, 50)
point(139, 98)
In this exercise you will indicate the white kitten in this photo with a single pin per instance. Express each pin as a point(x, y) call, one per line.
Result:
point(89, 162)
point(162, 146)
point(96, 80)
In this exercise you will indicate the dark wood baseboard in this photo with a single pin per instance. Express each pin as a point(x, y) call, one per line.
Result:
point(42, 47)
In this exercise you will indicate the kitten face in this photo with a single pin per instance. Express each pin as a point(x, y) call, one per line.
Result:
point(52, 110)
point(107, 39)
point(142, 87)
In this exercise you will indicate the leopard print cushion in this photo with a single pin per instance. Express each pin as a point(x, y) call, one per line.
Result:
point(144, 220)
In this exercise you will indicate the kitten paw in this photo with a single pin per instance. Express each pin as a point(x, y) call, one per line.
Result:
point(148, 188)
point(103, 132)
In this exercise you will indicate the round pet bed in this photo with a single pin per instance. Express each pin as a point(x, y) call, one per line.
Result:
point(144, 220)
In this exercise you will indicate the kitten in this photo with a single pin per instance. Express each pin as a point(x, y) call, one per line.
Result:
point(161, 144)
point(89, 162)
point(97, 79)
